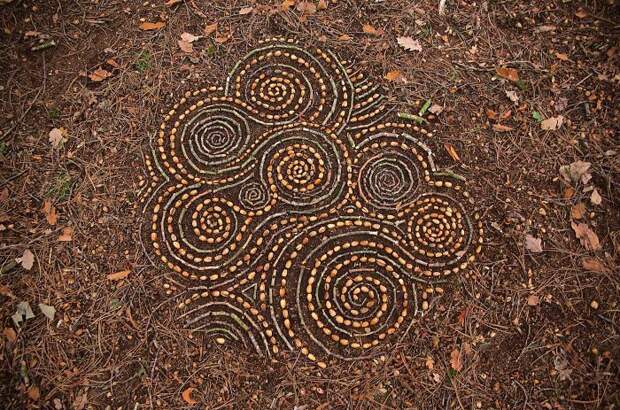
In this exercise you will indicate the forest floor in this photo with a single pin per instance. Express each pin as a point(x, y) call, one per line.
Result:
point(526, 107)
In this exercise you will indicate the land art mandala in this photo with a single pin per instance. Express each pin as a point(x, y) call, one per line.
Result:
point(292, 214)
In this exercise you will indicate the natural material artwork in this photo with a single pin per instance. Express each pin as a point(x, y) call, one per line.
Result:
point(293, 212)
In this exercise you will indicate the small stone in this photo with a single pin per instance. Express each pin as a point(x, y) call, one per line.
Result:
point(594, 304)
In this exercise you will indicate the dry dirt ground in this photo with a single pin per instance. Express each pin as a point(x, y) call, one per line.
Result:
point(526, 327)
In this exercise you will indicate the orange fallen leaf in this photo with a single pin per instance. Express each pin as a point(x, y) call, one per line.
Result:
point(322, 5)
point(451, 151)
point(508, 73)
point(120, 275)
point(222, 38)
point(286, 5)
point(562, 56)
point(10, 334)
point(66, 235)
point(578, 210)
point(492, 115)
point(502, 128)
point(368, 29)
point(306, 7)
point(533, 300)
point(344, 37)
point(456, 360)
point(594, 265)
point(99, 75)
point(50, 212)
point(246, 10)
point(33, 393)
point(581, 13)
point(171, 3)
point(187, 396)
point(146, 26)
point(393, 75)
point(568, 192)
point(113, 63)
point(586, 236)
point(185, 46)
point(209, 29)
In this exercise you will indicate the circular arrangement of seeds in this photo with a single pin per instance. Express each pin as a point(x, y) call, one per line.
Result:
point(293, 214)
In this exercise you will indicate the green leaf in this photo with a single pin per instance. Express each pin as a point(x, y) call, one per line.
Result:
point(425, 107)
point(413, 117)
point(536, 115)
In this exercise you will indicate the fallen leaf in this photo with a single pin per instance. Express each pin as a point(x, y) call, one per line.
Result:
point(33, 393)
point(120, 275)
point(80, 401)
point(545, 29)
point(568, 192)
point(586, 236)
point(10, 334)
point(99, 75)
point(452, 151)
point(508, 73)
point(221, 38)
point(561, 56)
point(409, 44)
point(436, 109)
point(595, 197)
point(209, 29)
point(533, 300)
point(27, 259)
point(322, 5)
point(393, 75)
point(57, 136)
point(190, 38)
point(581, 13)
point(368, 29)
point(456, 360)
point(512, 96)
point(113, 63)
point(561, 104)
point(47, 310)
point(578, 210)
point(576, 171)
point(492, 115)
point(187, 396)
point(185, 46)
point(430, 363)
point(533, 244)
point(561, 365)
point(552, 124)
point(246, 10)
point(152, 26)
point(501, 128)
point(171, 3)
point(23, 312)
point(306, 7)
point(287, 4)
point(49, 210)
point(594, 265)
point(66, 235)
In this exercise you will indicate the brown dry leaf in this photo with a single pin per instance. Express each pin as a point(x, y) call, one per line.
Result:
point(492, 115)
point(430, 363)
point(568, 192)
point(58, 136)
point(344, 37)
point(533, 244)
point(49, 210)
point(562, 56)
point(66, 235)
point(508, 73)
point(190, 38)
point(209, 29)
point(393, 75)
point(456, 360)
point(533, 300)
point(594, 265)
point(221, 38)
point(185, 46)
point(306, 7)
point(586, 236)
point(120, 275)
point(113, 63)
point(246, 10)
point(512, 96)
point(451, 151)
point(286, 5)
point(409, 44)
point(581, 13)
point(368, 29)
point(322, 5)
point(578, 210)
point(187, 396)
point(99, 75)
point(27, 259)
point(171, 3)
point(10, 334)
point(501, 128)
point(152, 26)
point(436, 109)
point(595, 197)
point(33, 393)
point(576, 171)
point(552, 124)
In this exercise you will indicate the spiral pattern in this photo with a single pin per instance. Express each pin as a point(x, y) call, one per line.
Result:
point(291, 215)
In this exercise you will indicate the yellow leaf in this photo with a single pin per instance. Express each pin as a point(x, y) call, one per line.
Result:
point(393, 75)
point(452, 151)
point(508, 73)
point(120, 275)
point(187, 396)
point(152, 26)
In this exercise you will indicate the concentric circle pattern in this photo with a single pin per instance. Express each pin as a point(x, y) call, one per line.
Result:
point(290, 214)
